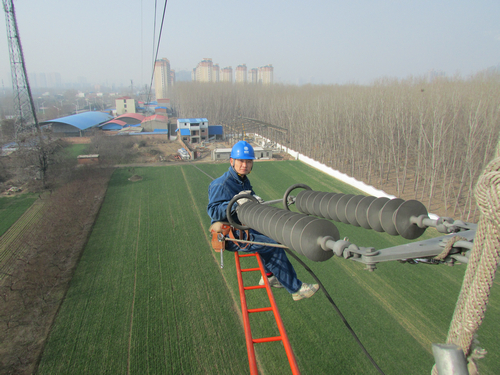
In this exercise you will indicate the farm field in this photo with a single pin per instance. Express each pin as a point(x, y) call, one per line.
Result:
point(11, 209)
point(149, 297)
point(74, 150)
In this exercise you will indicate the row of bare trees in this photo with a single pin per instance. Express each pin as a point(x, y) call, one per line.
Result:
point(414, 138)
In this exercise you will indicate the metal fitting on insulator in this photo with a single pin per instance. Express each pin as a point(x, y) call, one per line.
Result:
point(323, 242)
point(370, 267)
point(419, 221)
point(339, 247)
point(446, 225)
point(370, 251)
point(348, 252)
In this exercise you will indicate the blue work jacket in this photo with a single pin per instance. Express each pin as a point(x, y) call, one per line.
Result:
point(222, 190)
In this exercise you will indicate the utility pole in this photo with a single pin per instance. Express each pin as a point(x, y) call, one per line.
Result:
point(23, 100)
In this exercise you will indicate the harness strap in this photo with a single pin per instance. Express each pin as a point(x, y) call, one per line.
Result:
point(241, 237)
point(222, 229)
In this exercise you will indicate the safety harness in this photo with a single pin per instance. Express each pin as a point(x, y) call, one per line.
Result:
point(220, 230)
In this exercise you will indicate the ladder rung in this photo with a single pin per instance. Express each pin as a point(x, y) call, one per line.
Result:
point(267, 339)
point(254, 287)
point(260, 309)
point(250, 269)
point(246, 255)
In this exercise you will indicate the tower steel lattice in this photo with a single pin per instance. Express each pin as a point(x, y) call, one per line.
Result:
point(23, 100)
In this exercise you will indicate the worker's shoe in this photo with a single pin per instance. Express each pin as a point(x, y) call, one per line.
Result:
point(273, 282)
point(305, 291)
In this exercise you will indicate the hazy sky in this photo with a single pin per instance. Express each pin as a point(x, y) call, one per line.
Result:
point(327, 41)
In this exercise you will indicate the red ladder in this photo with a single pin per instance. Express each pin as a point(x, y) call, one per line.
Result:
point(250, 341)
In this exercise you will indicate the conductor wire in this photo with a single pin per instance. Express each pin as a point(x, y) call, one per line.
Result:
point(349, 328)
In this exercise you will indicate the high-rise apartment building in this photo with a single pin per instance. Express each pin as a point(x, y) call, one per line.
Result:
point(207, 71)
point(172, 78)
point(163, 79)
point(253, 75)
point(241, 74)
point(265, 74)
point(216, 73)
point(226, 74)
point(203, 71)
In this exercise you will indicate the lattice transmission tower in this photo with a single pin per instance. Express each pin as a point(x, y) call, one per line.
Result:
point(23, 100)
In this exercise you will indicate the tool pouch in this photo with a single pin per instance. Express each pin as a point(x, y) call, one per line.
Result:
point(219, 231)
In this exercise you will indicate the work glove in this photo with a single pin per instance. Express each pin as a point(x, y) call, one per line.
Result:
point(259, 199)
point(243, 200)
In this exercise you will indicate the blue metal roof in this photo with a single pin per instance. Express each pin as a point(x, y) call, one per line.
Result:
point(215, 130)
point(192, 120)
point(111, 126)
point(185, 132)
point(82, 121)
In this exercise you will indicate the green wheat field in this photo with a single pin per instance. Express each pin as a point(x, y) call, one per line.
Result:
point(149, 297)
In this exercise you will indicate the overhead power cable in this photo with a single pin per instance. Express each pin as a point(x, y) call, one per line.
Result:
point(155, 51)
point(344, 320)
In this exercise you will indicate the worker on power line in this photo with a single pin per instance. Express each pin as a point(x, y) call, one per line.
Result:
point(280, 272)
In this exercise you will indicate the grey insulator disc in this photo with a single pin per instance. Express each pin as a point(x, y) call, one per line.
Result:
point(316, 203)
point(341, 206)
point(332, 206)
point(387, 213)
point(324, 205)
point(305, 237)
point(350, 209)
point(374, 213)
point(301, 197)
point(362, 212)
point(402, 219)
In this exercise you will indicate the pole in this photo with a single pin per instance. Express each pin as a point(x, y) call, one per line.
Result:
point(450, 359)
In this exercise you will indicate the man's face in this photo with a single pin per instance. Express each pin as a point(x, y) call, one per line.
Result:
point(242, 166)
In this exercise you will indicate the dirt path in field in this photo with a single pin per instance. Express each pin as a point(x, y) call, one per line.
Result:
point(133, 296)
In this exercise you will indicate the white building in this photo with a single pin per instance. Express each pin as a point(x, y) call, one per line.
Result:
point(125, 104)
point(193, 130)
point(225, 153)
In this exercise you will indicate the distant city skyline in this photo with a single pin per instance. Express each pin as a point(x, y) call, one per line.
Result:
point(208, 71)
point(335, 42)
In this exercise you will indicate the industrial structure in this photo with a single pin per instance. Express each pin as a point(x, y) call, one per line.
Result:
point(23, 100)
point(77, 125)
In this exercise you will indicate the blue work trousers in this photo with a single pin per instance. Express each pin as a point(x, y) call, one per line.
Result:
point(274, 259)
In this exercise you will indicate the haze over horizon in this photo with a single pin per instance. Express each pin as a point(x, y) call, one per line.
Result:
point(329, 42)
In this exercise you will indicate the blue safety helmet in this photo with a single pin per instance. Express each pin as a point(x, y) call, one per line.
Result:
point(242, 150)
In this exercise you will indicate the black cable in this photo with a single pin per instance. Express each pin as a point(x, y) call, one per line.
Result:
point(157, 47)
point(337, 310)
